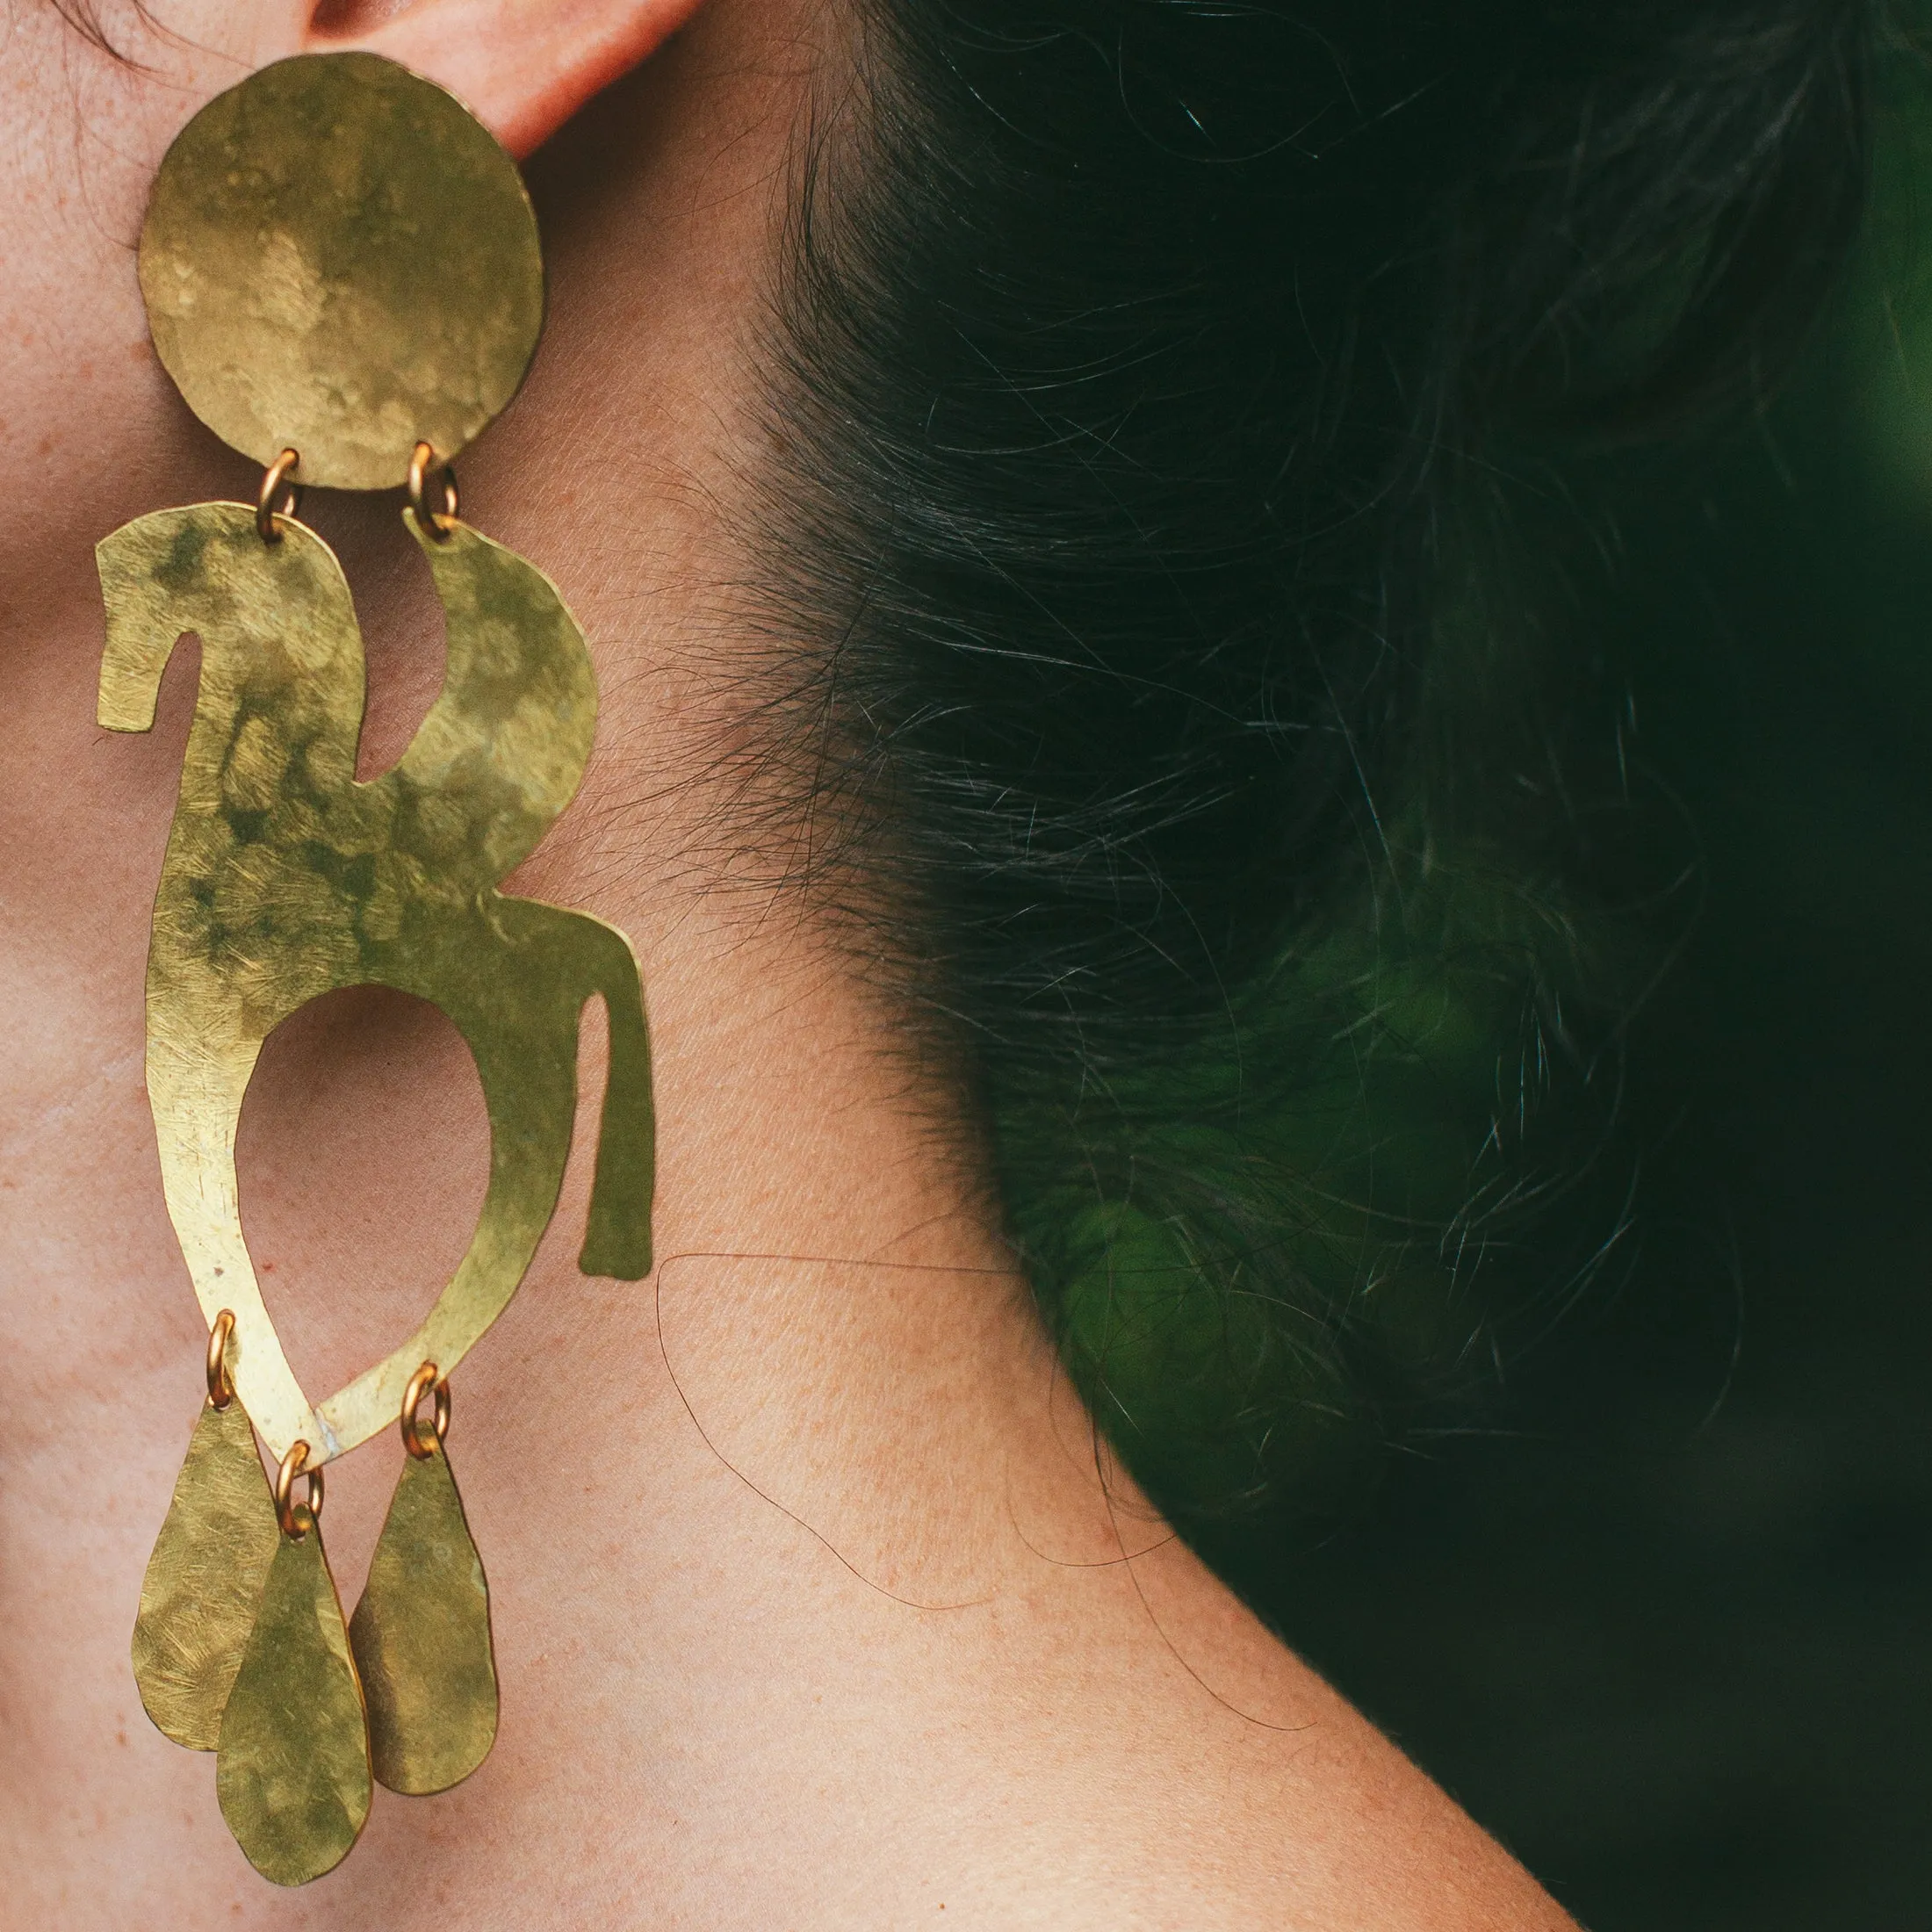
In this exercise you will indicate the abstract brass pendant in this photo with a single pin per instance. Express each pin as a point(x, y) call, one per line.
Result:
point(422, 1637)
point(205, 1579)
point(292, 1771)
point(285, 878)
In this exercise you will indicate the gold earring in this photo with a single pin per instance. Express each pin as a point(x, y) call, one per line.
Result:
point(343, 275)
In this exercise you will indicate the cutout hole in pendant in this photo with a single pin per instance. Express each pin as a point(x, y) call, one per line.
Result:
point(363, 1155)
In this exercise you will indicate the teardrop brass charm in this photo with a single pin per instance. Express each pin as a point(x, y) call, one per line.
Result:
point(204, 1580)
point(292, 1774)
point(422, 1637)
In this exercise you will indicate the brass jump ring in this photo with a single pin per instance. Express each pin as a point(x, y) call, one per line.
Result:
point(420, 1384)
point(434, 524)
point(293, 1464)
point(279, 495)
point(220, 1389)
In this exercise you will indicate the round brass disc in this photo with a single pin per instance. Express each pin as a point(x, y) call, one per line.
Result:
point(339, 258)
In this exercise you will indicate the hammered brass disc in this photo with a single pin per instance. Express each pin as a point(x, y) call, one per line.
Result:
point(421, 1637)
point(204, 1580)
point(339, 258)
point(292, 1771)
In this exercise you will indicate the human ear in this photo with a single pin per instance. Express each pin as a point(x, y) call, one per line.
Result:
point(522, 67)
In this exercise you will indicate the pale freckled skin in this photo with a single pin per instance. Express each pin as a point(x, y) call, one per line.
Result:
point(711, 1504)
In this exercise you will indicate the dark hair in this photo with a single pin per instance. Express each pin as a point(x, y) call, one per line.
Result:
point(1136, 626)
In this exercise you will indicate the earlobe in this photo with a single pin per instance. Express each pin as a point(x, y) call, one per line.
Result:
point(523, 70)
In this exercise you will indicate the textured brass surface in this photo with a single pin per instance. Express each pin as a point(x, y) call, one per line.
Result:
point(338, 257)
point(204, 1580)
point(421, 1637)
point(292, 1769)
point(285, 878)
